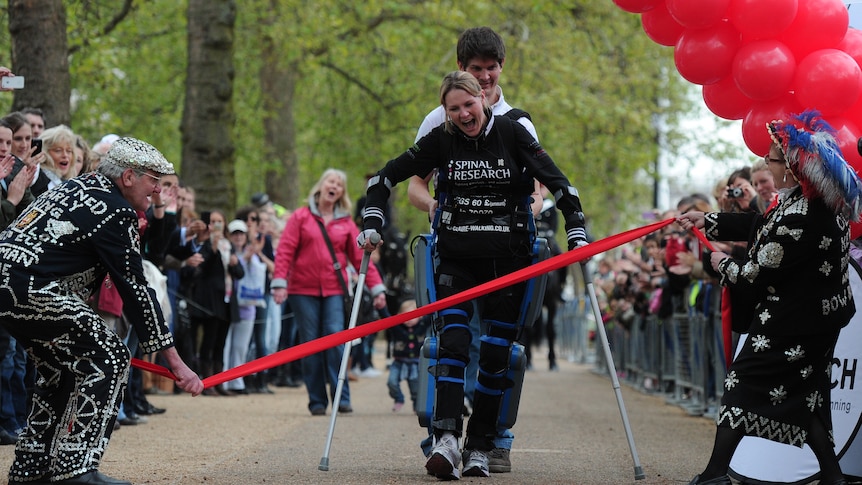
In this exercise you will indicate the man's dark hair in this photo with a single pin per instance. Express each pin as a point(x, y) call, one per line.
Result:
point(33, 111)
point(481, 42)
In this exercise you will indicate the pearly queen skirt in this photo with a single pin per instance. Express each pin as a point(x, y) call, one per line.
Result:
point(777, 385)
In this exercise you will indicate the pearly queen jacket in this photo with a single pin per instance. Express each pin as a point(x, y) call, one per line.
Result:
point(56, 252)
point(796, 272)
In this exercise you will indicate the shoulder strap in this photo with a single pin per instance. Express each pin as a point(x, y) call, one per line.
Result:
point(515, 114)
point(335, 264)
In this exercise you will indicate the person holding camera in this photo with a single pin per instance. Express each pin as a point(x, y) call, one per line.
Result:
point(740, 192)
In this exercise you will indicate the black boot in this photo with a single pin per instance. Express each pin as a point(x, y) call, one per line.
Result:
point(206, 371)
point(724, 480)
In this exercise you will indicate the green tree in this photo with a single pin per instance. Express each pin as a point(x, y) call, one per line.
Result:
point(38, 39)
point(208, 114)
point(346, 84)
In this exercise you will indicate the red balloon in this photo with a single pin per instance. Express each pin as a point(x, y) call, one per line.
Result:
point(636, 6)
point(660, 26)
point(819, 24)
point(697, 14)
point(854, 112)
point(763, 69)
point(754, 124)
point(725, 100)
point(828, 80)
point(704, 56)
point(852, 44)
point(846, 134)
point(762, 19)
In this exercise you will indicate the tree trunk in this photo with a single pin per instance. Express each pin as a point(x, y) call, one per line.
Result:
point(208, 153)
point(40, 54)
point(278, 86)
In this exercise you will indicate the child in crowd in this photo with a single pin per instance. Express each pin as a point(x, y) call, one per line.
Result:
point(406, 340)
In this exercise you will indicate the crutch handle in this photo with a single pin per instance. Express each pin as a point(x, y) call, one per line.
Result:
point(375, 240)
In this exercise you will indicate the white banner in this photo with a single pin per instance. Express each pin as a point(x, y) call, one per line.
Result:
point(760, 461)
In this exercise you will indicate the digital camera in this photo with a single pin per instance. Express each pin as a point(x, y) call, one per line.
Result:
point(734, 192)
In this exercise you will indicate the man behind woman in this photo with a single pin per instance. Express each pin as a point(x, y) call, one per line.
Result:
point(498, 160)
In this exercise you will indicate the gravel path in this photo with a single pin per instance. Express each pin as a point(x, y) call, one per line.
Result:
point(569, 431)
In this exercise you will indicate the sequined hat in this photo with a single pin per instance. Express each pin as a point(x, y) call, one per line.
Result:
point(812, 153)
point(130, 152)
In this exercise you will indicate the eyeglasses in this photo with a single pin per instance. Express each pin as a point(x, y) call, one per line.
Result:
point(157, 179)
point(254, 218)
point(776, 160)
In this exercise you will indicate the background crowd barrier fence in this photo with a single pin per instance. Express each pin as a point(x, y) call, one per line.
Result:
point(680, 357)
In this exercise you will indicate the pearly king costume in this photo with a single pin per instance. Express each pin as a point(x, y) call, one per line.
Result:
point(51, 258)
point(796, 273)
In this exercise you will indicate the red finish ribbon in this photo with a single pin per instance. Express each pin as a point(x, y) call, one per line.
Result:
point(726, 322)
point(333, 340)
point(700, 237)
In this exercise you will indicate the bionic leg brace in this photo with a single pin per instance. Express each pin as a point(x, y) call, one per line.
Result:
point(424, 264)
point(447, 385)
point(498, 387)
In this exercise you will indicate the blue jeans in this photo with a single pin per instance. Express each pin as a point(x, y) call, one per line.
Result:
point(316, 317)
point(399, 371)
point(13, 391)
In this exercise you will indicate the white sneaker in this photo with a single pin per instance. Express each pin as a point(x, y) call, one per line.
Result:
point(476, 464)
point(445, 458)
point(370, 372)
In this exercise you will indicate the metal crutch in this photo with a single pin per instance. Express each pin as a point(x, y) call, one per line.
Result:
point(609, 358)
point(342, 372)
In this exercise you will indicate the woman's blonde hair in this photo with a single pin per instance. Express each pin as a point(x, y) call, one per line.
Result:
point(344, 203)
point(56, 135)
point(466, 82)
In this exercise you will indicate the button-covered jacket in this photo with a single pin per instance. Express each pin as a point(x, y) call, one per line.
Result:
point(55, 253)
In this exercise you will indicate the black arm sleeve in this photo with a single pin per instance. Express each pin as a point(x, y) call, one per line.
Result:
point(420, 159)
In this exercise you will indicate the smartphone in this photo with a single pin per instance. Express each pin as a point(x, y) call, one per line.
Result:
point(36, 142)
point(12, 82)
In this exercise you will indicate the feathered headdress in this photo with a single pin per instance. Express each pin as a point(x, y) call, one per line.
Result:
point(809, 146)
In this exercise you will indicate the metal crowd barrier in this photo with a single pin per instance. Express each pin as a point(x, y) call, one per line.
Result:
point(680, 357)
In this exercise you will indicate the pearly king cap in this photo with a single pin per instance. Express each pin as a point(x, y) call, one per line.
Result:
point(132, 153)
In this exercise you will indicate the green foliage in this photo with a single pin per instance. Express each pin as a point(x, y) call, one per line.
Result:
point(370, 71)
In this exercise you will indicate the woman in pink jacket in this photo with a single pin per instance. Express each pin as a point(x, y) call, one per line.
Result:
point(304, 269)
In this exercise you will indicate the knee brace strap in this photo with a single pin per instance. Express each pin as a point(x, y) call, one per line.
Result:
point(453, 326)
point(489, 391)
point(453, 318)
point(453, 311)
point(494, 359)
point(497, 323)
point(449, 370)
